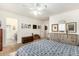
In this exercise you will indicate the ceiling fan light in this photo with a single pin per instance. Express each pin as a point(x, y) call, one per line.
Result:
point(35, 13)
point(39, 13)
point(37, 8)
point(40, 8)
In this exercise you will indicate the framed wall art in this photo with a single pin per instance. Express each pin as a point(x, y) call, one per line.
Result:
point(25, 25)
point(0, 23)
point(61, 27)
point(29, 26)
point(71, 27)
point(39, 26)
point(45, 27)
point(55, 27)
point(34, 26)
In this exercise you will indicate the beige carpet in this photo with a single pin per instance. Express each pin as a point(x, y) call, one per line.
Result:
point(10, 50)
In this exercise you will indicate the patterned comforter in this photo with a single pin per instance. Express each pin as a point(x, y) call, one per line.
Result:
point(48, 48)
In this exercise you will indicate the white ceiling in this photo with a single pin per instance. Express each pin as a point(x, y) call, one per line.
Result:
point(52, 9)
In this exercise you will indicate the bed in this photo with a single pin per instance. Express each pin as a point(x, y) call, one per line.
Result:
point(48, 48)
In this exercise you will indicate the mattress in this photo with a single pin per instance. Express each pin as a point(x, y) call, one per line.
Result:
point(48, 48)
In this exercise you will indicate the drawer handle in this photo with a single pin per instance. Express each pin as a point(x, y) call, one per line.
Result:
point(62, 39)
point(73, 41)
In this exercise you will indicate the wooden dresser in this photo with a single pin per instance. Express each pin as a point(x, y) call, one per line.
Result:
point(1, 38)
point(65, 38)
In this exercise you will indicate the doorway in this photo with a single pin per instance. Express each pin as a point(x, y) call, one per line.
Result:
point(11, 31)
point(45, 33)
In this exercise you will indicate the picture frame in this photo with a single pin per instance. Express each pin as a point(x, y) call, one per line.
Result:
point(0, 23)
point(29, 26)
point(55, 27)
point(39, 26)
point(45, 27)
point(34, 26)
point(25, 25)
point(61, 27)
point(71, 27)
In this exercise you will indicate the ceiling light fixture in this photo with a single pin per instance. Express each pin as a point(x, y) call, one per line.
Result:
point(36, 13)
point(37, 8)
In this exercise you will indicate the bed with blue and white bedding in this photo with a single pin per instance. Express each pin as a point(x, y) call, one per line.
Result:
point(48, 48)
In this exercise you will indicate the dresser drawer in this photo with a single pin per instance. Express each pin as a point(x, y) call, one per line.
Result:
point(72, 36)
point(72, 41)
point(66, 38)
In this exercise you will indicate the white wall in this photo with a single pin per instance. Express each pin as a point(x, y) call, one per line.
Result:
point(27, 32)
point(21, 19)
point(71, 16)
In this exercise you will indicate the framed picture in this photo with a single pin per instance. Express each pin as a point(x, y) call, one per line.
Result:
point(25, 26)
point(71, 27)
point(61, 27)
point(0, 23)
point(29, 26)
point(45, 27)
point(39, 26)
point(22, 26)
point(34, 26)
point(55, 27)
